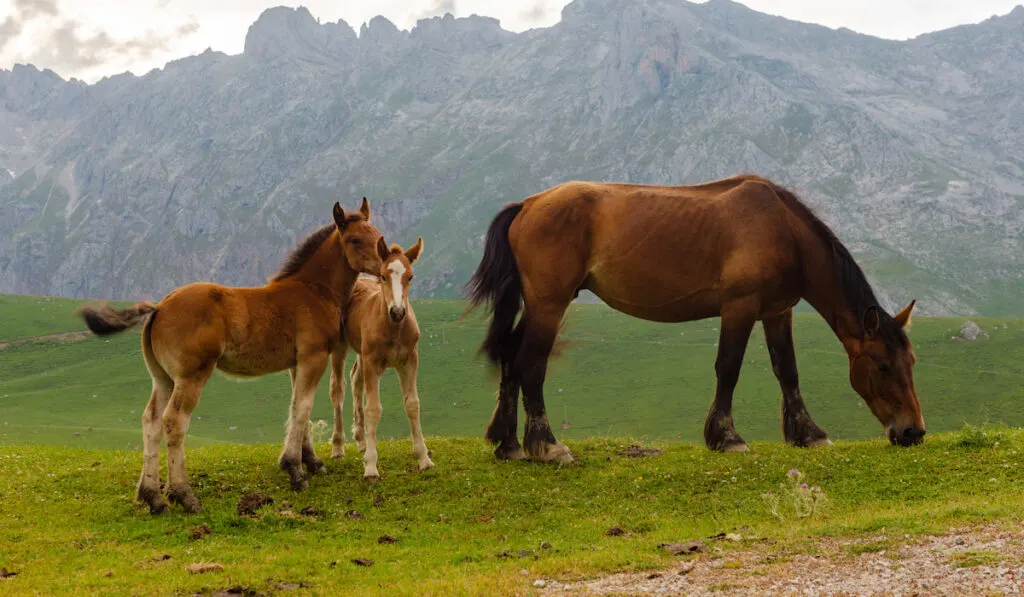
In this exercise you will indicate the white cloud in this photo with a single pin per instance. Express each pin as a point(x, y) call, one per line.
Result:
point(101, 37)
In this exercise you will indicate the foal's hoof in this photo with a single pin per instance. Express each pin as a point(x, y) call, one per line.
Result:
point(372, 479)
point(152, 498)
point(426, 464)
point(337, 452)
point(184, 498)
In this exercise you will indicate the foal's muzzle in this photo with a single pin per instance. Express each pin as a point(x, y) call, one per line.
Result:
point(397, 313)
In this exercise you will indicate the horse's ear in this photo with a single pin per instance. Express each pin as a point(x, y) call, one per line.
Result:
point(413, 252)
point(382, 249)
point(871, 323)
point(903, 317)
point(339, 216)
point(365, 209)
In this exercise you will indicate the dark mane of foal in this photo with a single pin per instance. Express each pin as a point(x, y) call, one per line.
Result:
point(306, 248)
point(852, 281)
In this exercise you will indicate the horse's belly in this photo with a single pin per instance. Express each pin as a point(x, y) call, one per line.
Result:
point(252, 363)
point(689, 307)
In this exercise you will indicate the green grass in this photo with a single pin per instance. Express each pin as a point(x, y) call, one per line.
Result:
point(618, 377)
point(68, 522)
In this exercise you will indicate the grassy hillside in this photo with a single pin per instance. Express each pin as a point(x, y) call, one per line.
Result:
point(619, 377)
point(476, 526)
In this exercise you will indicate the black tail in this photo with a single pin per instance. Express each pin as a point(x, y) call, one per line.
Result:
point(497, 281)
point(103, 320)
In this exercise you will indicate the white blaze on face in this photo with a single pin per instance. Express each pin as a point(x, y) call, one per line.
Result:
point(397, 272)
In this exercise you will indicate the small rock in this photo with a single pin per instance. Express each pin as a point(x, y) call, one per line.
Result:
point(363, 562)
point(108, 573)
point(540, 584)
point(524, 553)
point(355, 514)
point(545, 545)
point(615, 532)
point(635, 451)
point(162, 558)
point(960, 541)
point(683, 548)
point(653, 575)
point(441, 518)
point(204, 567)
point(311, 511)
point(686, 569)
point(734, 537)
point(387, 539)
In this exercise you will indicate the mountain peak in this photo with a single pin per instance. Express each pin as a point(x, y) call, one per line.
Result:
point(284, 31)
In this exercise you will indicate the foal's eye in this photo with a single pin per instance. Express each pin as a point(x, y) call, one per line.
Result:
point(410, 276)
point(383, 278)
point(355, 242)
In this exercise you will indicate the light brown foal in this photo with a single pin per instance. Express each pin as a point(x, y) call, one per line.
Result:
point(381, 327)
point(292, 323)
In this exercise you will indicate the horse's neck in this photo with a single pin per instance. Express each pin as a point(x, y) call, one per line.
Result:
point(330, 274)
point(823, 292)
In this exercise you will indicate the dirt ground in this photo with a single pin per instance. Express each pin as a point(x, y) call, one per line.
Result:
point(977, 561)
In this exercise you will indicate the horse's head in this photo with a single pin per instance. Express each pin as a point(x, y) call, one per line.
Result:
point(882, 372)
point(395, 274)
point(358, 238)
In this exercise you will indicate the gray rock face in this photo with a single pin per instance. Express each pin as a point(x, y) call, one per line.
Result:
point(213, 167)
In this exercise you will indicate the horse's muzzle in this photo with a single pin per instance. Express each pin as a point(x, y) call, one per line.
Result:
point(908, 436)
point(397, 314)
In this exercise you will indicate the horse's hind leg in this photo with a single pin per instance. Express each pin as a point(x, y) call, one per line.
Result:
point(541, 321)
point(797, 426)
point(737, 322)
point(307, 376)
point(176, 419)
point(502, 430)
point(337, 392)
point(148, 490)
point(358, 402)
point(411, 398)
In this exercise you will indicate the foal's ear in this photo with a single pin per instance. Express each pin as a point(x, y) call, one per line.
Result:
point(339, 216)
point(413, 252)
point(382, 249)
point(903, 317)
point(365, 209)
point(871, 323)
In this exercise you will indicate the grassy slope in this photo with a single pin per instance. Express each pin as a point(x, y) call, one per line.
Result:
point(620, 376)
point(71, 525)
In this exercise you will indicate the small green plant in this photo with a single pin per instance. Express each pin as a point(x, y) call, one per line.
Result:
point(975, 557)
point(979, 437)
point(795, 498)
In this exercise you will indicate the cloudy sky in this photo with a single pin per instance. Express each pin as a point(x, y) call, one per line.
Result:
point(92, 38)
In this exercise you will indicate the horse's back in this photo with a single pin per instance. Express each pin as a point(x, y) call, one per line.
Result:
point(667, 253)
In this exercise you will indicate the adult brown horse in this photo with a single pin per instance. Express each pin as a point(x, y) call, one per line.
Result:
point(742, 248)
point(293, 323)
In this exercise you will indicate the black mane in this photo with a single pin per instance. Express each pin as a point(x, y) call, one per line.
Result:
point(852, 282)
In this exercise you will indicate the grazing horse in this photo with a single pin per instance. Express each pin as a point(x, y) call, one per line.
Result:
point(381, 327)
point(293, 322)
point(742, 248)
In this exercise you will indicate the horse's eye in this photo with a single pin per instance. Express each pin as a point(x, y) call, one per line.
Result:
point(355, 242)
point(883, 367)
point(410, 276)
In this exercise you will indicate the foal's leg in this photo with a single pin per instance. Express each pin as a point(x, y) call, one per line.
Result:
point(148, 490)
point(737, 322)
point(358, 401)
point(338, 400)
point(542, 319)
point(307, 376)
point(502, 430)
point(797, 426)
point(176, 419)
point(411, 398)
point(371, 380)
point(313, 464)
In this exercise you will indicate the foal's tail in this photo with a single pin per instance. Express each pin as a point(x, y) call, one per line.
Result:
point(497, 281)
point(103, 320)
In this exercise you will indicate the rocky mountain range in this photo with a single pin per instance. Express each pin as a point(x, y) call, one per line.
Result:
point(212, 167)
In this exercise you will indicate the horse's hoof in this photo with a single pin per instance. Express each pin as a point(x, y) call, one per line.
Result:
point(556, 452)
point(157, 508)
point(372, 479)
point(315, 466)
point(184, 498)
point(299, 483)
point(735, 447)
point(426, 464)
point(337, 453)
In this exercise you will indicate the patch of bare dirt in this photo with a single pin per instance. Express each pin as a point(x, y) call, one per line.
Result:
point(981, 561)
point(62, 338)
point(252, 502)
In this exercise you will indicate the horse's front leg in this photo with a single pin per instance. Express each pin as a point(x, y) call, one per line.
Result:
point(737, 322)
point(372, 413)
point(306, 377)
point(337, 392)
point(410, 396)
point(798, 428)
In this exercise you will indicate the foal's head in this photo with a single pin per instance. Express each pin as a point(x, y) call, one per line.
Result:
point(358, 238)
point(395, 274)
point(882, 372)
